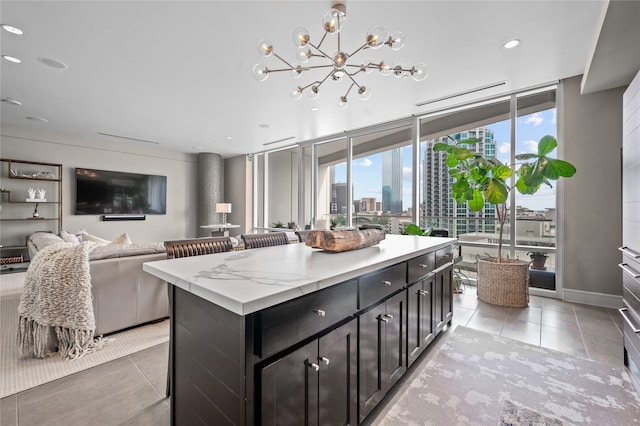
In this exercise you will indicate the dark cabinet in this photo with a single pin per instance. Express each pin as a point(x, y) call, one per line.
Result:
point(420, 331)
point(382, 350)
point(442, 300)
point(315, 384)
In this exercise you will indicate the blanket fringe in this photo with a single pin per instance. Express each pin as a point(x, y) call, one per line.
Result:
point(33, 338)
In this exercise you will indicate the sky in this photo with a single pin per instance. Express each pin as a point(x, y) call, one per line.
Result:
point(367, 171)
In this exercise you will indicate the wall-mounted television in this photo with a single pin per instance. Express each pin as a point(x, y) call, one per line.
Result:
point(108, 192)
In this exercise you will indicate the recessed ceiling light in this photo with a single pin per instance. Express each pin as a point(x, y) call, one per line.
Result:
point(53, 63)
point(40, 119)
point(511, 43)
point(12, 59)
point(11, 29)
point(11, 101)
point(314, 108)
point(229, 138)
point(264, 126)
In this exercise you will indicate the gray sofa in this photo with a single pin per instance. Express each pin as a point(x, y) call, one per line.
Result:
point(123, 294)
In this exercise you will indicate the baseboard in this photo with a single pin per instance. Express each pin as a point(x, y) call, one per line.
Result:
point(592, 298)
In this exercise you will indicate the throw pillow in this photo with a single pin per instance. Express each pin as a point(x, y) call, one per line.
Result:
point(122, 239)
point(70, 238)
point(88, 237)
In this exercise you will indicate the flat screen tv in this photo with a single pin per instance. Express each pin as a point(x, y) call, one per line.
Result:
point(107, 192)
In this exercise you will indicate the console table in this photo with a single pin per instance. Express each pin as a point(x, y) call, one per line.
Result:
point(295, 335)
point(220, 229)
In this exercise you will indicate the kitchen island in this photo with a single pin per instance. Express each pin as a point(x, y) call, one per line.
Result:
point(295, 335)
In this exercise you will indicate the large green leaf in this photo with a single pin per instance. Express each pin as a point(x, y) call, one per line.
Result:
point(461, 185)
point(452, 161)
point(502, 172)
point(496, 191)
point(460, 153)
point(523, 188)
point(554, 169)
point(546, 145)
point(477, 202)
point(527, 156)
point(441, 147)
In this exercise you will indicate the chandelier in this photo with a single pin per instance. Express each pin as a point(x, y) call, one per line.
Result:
point(338, 65)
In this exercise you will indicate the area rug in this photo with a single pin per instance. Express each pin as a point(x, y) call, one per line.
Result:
point(472, 373)
point(517, 415)
point(20, 373)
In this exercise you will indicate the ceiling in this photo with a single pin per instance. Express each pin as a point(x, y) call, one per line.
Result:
point(177, 75)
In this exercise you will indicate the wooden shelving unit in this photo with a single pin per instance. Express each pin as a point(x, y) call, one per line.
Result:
point(17, 220)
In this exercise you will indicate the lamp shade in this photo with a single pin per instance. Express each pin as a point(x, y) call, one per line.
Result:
point(223, 207)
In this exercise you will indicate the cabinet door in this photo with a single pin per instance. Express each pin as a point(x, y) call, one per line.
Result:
point(395, 346)
point(338, 391)
point(289, 391)
point(443, 302)
point(419, 321)
point(370, 335)
point(382, 350)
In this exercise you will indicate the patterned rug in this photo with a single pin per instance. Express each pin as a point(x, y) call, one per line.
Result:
point(20, 373)
point(472, 373)
point(515, 415)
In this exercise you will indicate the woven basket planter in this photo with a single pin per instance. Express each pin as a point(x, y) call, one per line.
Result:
point(503, 284)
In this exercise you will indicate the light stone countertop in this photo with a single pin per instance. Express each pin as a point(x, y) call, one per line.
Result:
point(247, 281)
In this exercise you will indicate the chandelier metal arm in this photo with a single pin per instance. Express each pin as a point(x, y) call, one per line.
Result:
point(350, 87)
point(321, 41)
point(288, 64)
point(352, 79)
point(322, 54)
point(363, 47)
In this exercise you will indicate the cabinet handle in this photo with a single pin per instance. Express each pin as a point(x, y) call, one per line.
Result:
point(623, 312)
point(423, 292)
point(628, 270)
point(423, 266)
point(313, 365)
point(388, 316)
point(387, 283)
point(380, 318)
point(631, 253)
point(324, 360)
point(319, 312)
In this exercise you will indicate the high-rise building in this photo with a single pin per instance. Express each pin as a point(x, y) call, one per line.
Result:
point(438, 208)
point(392, 180)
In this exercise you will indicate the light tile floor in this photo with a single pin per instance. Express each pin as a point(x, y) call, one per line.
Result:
point(130, 390)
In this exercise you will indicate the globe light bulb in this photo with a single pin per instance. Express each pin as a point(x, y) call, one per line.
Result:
point(396, 40)
point(296, 92)
point(364, 93)
point(333, 20)
point(385, 67)
point(419, 72)
point(304, 55)
point(260, 72)
point(296, 70)
point(301, 37)
point(265, 48)
point(398, 71)
point(342, 102)
point(376, 36)
point(340, 60)
point(337, 76)
point(313, 92)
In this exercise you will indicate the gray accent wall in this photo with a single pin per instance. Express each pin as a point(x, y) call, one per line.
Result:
point(238, 175)
point(22, 143)
point(591, 138)
point(210, 190)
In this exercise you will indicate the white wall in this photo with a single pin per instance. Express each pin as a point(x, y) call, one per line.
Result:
point(21, 143)
point(591, 139)
point(238, 175)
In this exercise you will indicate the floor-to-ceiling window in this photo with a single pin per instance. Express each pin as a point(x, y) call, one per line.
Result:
point(367, 176)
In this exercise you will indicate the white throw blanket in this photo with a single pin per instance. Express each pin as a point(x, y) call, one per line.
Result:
point(57, 293)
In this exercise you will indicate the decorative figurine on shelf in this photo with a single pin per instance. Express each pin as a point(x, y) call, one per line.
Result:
point(31, 194)
point(41, 193)
point(35, 212)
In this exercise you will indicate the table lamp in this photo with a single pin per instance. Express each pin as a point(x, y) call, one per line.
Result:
point(223, 208)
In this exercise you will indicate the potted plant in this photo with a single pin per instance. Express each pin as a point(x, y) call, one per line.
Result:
point(538, 259)
point(480, 179)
